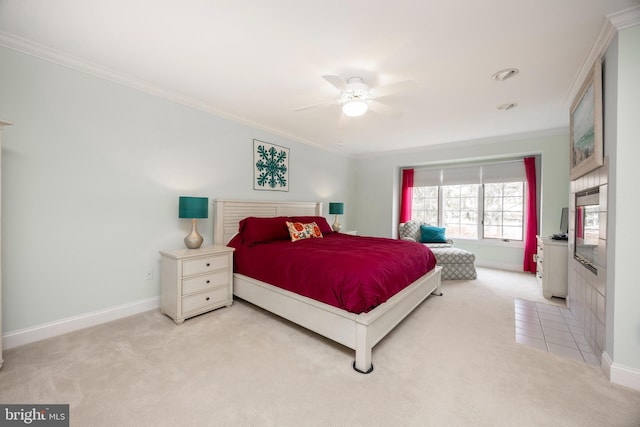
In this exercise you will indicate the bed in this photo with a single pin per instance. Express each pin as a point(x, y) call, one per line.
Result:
point(358, 331)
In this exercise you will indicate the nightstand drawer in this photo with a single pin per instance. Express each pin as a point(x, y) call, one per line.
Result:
point(204, 264)
point(204, 300)
point(200, 283)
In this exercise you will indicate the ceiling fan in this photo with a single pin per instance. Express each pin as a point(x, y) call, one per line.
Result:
point(356, 97)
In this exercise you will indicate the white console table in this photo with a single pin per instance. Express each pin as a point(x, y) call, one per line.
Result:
point(552, 267)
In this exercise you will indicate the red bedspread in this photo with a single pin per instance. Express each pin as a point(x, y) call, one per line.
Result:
point(353, 273)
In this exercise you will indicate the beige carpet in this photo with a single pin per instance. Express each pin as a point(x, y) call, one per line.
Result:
point(453, 362)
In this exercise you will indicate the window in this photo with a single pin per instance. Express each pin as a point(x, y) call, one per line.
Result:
point(472, 201)
point(460, 210)
point(425, 204)
point(504, 210)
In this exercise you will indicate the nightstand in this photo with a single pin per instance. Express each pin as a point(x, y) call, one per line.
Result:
point(194, 281)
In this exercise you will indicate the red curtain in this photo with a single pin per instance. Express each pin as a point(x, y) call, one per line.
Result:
point(580, 222)
point(407, 195)
point(530, 244)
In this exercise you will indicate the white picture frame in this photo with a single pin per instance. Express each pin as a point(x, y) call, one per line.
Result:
point(585, 135)
point(270, 166)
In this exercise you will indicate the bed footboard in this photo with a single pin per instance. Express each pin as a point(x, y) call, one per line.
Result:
point(373, 326)
point(358, 332)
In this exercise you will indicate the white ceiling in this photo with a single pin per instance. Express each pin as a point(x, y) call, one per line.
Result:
point(256, 61)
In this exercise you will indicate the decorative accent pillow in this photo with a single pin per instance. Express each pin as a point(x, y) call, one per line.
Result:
point(300, 231)
point(321, 221)
point(256, 230)
point(410, 230)
point(431, 234)
point(316, 232)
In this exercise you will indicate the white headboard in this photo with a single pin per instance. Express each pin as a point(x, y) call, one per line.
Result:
point(228, 213)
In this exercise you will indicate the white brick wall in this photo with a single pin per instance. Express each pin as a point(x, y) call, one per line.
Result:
point(587, 291)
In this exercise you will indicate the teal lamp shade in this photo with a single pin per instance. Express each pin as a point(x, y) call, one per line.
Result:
point(193, 208)
point(336, 209)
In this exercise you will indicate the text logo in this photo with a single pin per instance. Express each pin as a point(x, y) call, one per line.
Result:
point(34, 415)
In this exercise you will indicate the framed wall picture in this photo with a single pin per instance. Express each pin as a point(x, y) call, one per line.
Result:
point(585, 134)
point(270, 166)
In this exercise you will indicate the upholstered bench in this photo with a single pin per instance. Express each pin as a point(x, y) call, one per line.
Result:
point(457, 264)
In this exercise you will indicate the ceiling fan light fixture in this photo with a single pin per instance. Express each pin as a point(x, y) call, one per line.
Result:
point(355, 108)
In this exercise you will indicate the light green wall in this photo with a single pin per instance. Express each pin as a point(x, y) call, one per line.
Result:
point(610, 114)
point(623, 293)
point(91, 176)
point(378, 181)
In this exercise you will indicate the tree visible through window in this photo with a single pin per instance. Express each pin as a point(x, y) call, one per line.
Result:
point(425, 205)
point(503, 210)
point(460, 210)
point(473, 211)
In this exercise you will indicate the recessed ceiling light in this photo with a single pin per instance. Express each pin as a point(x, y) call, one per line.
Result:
point(505, 74)
point(507, 106)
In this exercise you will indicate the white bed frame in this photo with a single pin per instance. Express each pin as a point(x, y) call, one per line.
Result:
point(359, 332)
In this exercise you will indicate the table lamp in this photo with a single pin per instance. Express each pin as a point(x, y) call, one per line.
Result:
point(193, 208)
point(336, 209)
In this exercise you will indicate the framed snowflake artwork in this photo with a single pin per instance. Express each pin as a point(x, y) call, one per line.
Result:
point(270, 167)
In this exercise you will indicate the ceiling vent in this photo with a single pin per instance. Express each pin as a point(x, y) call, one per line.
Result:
point(505, 74)
point(507, 106)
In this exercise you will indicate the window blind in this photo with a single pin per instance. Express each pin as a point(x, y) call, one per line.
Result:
point(424, 177)
point(504, 172)
point(501, 171)
point(461, 175)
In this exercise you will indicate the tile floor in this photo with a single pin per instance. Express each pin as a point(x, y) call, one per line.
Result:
point(552, 328)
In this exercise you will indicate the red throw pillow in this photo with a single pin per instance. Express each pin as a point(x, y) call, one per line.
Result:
point(258, 230)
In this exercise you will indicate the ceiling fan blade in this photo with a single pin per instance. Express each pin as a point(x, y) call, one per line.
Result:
point(318, 105)
point(343, 121)
point(404, 86)
point(336, 82)
point(380, 108)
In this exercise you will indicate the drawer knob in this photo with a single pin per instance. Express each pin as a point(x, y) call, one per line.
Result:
point(207, 298)
point(208, 281)
point(208, 264)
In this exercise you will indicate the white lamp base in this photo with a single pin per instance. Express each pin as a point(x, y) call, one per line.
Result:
point(336, 225)
point(194, 239)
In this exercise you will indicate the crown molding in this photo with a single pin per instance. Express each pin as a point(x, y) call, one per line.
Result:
point(468, 143)
point(625, 18)
point(69, 61)
point(614, 23)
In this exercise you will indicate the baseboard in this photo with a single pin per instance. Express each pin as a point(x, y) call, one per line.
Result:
point(619, 374)
point(70, 324)
point(499, 266)
point(605, 364)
